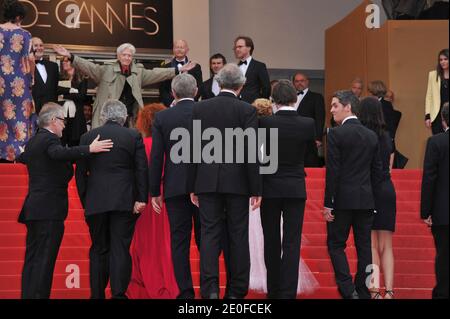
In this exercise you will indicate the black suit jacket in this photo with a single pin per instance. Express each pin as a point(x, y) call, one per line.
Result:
point(221, 112)
point(165, 88)
point(294, 132)
point(354, 169)
point(206, 90)
point(49, 172)
point(48, 91)
point(115, 180)
point(257, 84)
point(435, 180)
point(175, 174)
point(313, 106)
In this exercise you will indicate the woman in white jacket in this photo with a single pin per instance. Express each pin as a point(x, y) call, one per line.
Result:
point(437, 93)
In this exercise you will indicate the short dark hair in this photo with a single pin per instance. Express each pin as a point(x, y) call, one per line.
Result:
point(444, 113)
point(248, 42)
point(13, 9)
point(284, 93)
point(215, 57)
point(370, 113)
point(347, 97)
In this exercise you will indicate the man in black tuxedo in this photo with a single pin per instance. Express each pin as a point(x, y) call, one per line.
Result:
point(284, 193)
point(113, 189)
point(180, 209)
point(224, 188)
point(46, 205)
point(258, 80)
point(434, 205)
point(210, 88)
point(312, 105)
point(46, 77)
point(353, 173)
point(180, 51)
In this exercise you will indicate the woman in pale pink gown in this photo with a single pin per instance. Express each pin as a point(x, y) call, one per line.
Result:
point(307, 283)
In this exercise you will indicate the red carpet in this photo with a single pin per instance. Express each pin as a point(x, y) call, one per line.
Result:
point(413, 243)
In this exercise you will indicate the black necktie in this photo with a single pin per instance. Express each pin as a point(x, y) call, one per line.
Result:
point(300, 93)
point(243, 62)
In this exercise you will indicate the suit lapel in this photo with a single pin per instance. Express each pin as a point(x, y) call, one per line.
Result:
point(251, 67)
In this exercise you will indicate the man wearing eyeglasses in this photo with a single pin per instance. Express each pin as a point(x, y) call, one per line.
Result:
point(258, 80)
point(46, 205)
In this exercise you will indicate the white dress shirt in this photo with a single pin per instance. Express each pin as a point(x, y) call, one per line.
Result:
point(42, 71)
point(300, 98)
point(215, 87)
point(228, 91)
point(244, 67)
point(353, 117)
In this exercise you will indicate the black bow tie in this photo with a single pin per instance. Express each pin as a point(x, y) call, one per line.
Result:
point(180, 62)
point(300, 93)
point(243, 62)
point(40, 61)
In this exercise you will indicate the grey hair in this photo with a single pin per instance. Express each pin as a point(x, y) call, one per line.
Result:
point(125, 46)
point(230, 77)
point(284, 93)
point(49, 112)
point(346, 98)
point(114, 110)
point(184, 86)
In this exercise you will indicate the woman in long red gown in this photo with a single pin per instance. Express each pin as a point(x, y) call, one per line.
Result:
point(153, 276)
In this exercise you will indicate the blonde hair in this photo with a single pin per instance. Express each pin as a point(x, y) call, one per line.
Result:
point(263, 107)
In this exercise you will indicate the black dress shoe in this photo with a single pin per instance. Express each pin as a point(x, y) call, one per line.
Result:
point(230, 297)
point(214, 295)
point(354, 295)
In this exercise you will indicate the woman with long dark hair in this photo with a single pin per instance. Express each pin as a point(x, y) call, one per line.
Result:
point(17, 118)
point(371, 116)
point(437, 93)
point(75, 96)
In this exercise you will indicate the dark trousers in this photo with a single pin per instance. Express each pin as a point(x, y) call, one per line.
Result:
point(436, 126)
point(312, 158)
point(282, 257)
point(181, 213)
point(440, 234)
point(226, 255)
point(214, 208)
point(338, 232)
point(109, 256)
point(42, 246)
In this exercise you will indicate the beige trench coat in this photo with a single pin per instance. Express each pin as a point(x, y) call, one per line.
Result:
point(111, 82)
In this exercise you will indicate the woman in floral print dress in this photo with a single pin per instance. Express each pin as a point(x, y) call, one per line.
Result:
point(17, 113)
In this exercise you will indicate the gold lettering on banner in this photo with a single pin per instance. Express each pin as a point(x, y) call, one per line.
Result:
point(132, 16)
point(152, 21)
point(36, 12)
point(69, 13)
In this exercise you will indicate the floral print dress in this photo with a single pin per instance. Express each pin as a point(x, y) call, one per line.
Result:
point(17, 118)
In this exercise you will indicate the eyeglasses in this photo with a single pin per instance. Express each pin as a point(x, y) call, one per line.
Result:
point(62, 119)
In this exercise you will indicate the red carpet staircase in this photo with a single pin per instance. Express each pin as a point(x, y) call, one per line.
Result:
point(413, 243)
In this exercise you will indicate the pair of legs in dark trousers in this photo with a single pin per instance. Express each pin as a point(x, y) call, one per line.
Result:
point(181, 213)
point(109, 256)
point(338, 232)
point(213, 208)
point(282, 258)
point(440, 234)
point(43, 242)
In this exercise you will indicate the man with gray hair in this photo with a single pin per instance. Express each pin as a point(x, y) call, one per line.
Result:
point(121, 79)
point(46, 205)
point(354, 172)
point(222, 190)
point(113, 189)
point(181, 211)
